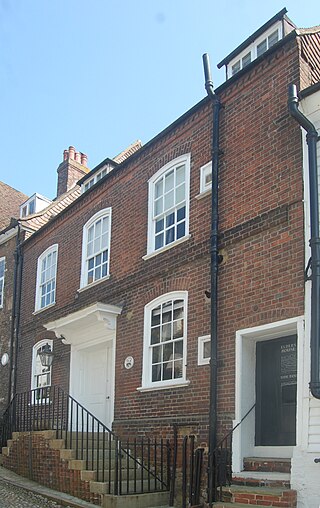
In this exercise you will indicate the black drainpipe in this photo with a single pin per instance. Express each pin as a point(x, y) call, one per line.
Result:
point(15, 317)
point(214, 278)
point(312, 138)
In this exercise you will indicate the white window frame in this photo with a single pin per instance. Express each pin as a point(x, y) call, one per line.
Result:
point(204, 171)
point(45, 254)
point(36, 364)
point(184, 159)
point(106, 212)
point(87, 184)
point(147, 383)
point(202, 360)
point(2, 260)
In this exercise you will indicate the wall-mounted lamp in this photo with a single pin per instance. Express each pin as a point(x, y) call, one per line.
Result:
point(46, 355)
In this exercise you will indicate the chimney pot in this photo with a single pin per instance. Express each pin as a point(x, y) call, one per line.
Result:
point(84, 159)
point(65, 154)
point(71, 152)
point(77, 156)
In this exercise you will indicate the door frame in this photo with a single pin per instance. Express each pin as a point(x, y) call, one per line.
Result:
point(245, 396)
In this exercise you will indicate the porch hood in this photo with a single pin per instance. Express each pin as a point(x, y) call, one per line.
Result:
point(86, 325)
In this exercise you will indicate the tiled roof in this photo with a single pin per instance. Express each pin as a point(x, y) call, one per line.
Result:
point(131, 149)
point(10, 201)
point(34, 222)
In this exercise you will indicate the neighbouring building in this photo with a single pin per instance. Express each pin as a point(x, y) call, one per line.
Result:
point(117, 286)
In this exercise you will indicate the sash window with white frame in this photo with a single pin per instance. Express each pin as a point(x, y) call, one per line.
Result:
point(46, 278)
point(165, 340)
point(96, 248)
point(169, 204)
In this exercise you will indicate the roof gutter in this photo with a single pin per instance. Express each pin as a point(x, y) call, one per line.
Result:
point(312, 139)
point(214, 278)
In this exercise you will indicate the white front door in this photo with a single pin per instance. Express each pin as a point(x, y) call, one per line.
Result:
point(95, 381)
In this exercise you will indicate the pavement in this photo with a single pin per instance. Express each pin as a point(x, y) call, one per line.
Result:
point(19, 492)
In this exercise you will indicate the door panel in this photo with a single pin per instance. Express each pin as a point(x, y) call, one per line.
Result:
point(276, 388)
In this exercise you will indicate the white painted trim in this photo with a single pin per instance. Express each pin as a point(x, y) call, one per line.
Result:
point(201, 341)
point(37, 306)
point(246, 339)
point(183, 159)
point(105, 212)
point(203, 172)
point(146, 383)
point(166, 386)
point(2, 280)
point(93, 284)
point(166, 247)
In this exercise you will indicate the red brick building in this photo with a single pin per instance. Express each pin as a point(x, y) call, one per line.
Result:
point(118, 282)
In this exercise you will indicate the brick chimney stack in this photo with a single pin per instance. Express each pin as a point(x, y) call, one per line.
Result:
point(72, 168)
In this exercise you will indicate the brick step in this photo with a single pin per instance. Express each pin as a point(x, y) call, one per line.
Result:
point(272, 464)
point(260, 496)
point(261, 479)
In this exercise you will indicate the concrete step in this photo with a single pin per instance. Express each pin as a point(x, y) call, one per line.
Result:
point(267, 464)
point(127, 487)
point(151, 500)
point(92, 475)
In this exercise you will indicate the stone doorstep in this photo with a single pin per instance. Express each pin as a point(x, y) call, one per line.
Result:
point(153, 500)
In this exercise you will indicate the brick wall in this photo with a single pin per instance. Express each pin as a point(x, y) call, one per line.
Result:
point(31, 455)
point(261, 223)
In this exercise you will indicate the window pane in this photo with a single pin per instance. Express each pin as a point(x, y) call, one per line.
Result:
point(156, 354)
point(169, 181)
point(166, 332)
point(156, 373)
point(169, 200)
point(178, 329)
point(167, 352)
point(180, 175)
point(178, 309)
point(167, 312)
point(180, 194)
point(169, 235)
point(169, 219)
point(181, 213)
point(159, 225)
point(246, 59)
point(262, 47)
point(158, 206)
point(235, 68)
point(273, 38)
point(155, 316)
point(159, 241)
point(181, 230)
point(155, 335)
point(158, 189)
point(206, 349)
point(178, 369)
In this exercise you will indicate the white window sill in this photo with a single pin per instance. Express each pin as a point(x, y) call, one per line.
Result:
point(167, 247)
point(204, 194)
point(180, 384)
point(43, 308)
point(95, 283)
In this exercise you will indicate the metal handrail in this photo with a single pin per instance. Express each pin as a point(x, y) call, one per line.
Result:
point(113, 460)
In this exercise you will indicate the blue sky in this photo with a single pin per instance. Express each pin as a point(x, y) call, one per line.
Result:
point(100, 74)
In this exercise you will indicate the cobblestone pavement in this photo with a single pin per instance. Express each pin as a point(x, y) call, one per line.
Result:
point(12, 496)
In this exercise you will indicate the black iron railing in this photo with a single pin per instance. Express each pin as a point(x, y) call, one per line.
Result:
point(131, 466)
point(222, 461)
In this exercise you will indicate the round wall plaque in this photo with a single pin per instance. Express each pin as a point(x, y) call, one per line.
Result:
point(4, 359)
point(128, 363)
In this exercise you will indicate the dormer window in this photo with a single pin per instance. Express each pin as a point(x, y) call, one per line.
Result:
point(96, 174)
point(258, 43)
point(34, 204)
point(89, 183)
